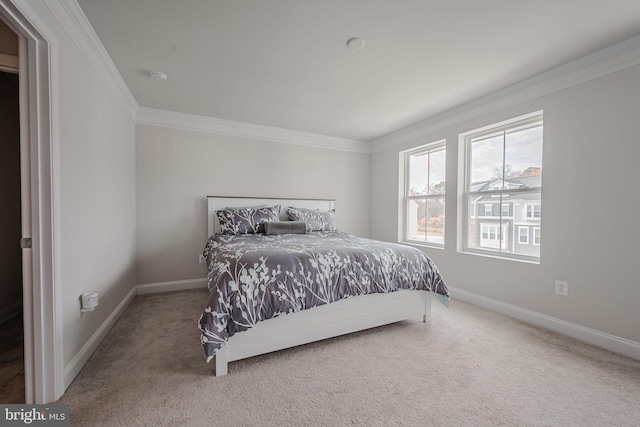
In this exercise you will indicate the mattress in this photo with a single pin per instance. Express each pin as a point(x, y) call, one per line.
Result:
point(254, 277)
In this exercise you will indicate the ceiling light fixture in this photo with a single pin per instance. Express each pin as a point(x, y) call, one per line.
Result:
point(355, 43)
point(158, 75)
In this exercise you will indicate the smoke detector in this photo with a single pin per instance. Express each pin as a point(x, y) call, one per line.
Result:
point(355, 43)
point(158, 75)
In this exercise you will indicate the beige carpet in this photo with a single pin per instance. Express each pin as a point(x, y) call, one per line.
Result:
point(468, 367)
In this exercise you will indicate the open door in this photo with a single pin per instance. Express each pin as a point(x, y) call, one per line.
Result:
point(43, 358)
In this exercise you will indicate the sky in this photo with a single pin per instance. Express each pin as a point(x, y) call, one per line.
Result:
point(522, 149)
point(419, 165)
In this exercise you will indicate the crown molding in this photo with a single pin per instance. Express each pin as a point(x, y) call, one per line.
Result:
point(606, 61)
point(76, 24)
point(74, 21)
point(175, 120)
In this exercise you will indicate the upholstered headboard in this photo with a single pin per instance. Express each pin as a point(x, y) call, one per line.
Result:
point(215, 203)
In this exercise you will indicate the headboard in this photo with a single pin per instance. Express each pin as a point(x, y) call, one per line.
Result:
point(215, 203)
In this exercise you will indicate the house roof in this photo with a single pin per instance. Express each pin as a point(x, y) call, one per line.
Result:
point(514, 182)
point(517, 182)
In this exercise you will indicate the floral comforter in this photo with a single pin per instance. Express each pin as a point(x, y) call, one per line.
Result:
point(254, 277)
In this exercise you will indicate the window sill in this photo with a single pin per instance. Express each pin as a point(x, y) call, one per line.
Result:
point(504, 258)
point(421, 245)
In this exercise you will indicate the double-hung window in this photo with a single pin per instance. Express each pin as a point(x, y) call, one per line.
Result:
point(534, 211)
point(503, 167)
point(424, 191)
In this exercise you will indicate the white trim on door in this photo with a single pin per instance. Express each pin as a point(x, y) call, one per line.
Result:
point(38, 158)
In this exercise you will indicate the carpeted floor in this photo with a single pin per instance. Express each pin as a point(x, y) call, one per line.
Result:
point(468, 367)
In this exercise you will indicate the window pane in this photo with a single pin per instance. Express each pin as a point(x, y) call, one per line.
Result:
point(416, 220)
point(418, 174)
point(486, 161)
point(523, 156)
point(435, 220)
point(493, 233)
point(473, 226)
point(437, 172)
point(425, 220)
point(424, 194)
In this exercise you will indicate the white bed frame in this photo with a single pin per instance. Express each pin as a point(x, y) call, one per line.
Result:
point(318, 323)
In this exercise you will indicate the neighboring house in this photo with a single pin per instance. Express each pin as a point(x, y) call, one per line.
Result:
point(509, 223)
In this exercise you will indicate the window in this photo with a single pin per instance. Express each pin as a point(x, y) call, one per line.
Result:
point(534, 211)
point(503, 166)
point(492, 236)
point(488, 209)
point(523, 235)
point(424, 192)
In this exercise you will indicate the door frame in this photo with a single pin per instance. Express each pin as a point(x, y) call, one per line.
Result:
point(43, 345)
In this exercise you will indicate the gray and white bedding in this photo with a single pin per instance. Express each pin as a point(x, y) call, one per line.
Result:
point(254, 277)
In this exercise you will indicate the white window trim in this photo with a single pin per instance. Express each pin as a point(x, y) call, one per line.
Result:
point(403, 211)
point(464, 164)
point(520, 242)
point(533, 210)
point(499, 235)
point(502, 206)
point(534, 236)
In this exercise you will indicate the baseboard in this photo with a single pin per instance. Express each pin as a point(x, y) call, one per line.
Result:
point(81, 358)
point(177, 285)
point(591, 336)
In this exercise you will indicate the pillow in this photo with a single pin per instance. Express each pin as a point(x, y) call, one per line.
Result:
point(285, 227)
point(246, 220)
point(314, 219)
point(246, 207)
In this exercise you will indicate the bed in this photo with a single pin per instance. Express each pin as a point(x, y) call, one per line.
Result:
point(276, 284)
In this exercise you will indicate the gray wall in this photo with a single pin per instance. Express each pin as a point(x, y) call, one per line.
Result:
point(177, 169)
point(94, 189)
point(590, 230)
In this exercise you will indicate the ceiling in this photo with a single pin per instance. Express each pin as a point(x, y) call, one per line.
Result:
point(285, 63)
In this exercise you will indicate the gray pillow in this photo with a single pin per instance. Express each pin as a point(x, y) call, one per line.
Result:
point(246, 220)
point(246, 207)
point(285, 227)
point(315, 219)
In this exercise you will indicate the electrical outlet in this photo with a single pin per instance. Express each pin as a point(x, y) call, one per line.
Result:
point(562, 288)
point(201, 259)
